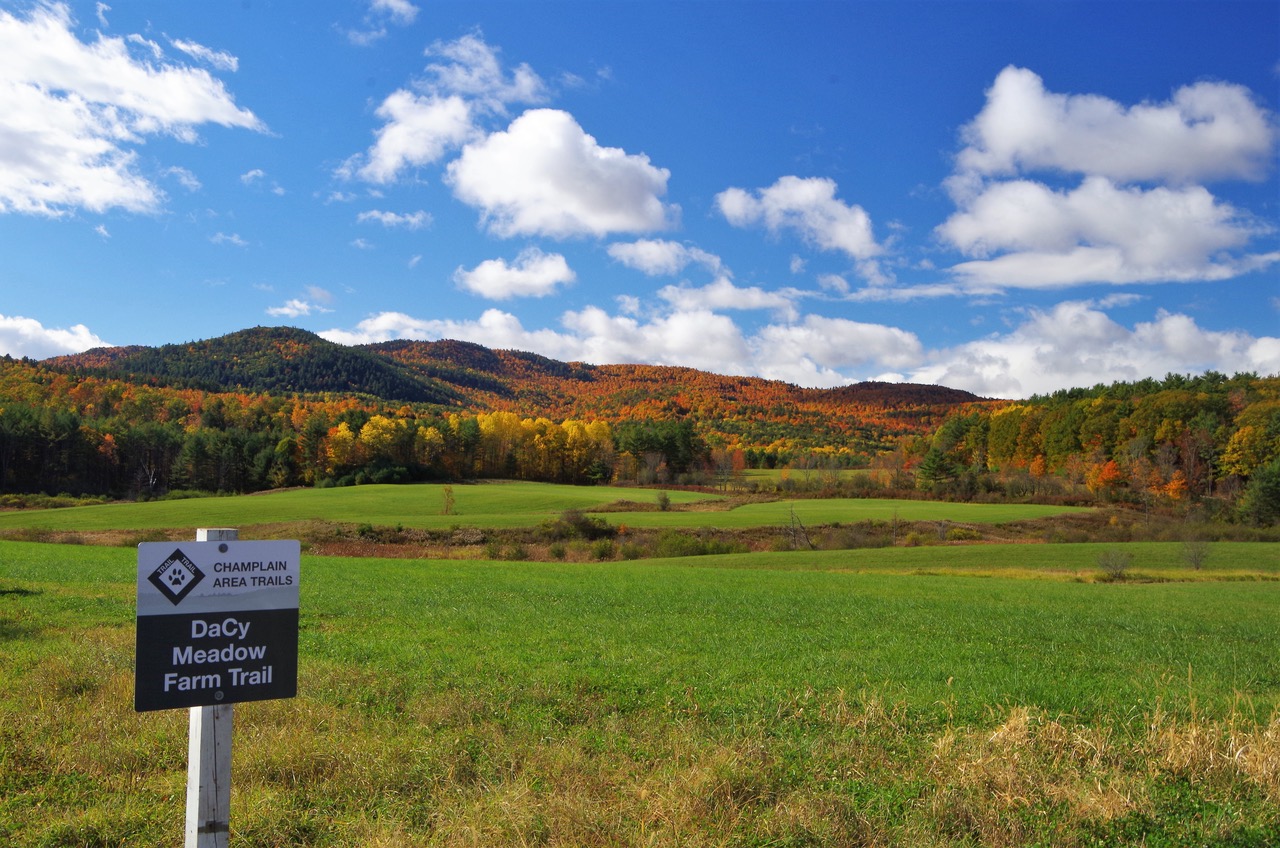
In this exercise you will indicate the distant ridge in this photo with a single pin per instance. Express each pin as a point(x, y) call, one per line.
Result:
point(261, 359)
point(468, 375)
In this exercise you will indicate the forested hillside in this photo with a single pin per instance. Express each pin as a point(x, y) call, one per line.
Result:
point(267, 408)
point(272, 407)
point(1212, 440)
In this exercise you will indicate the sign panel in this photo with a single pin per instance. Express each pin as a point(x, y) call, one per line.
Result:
point(217, 623)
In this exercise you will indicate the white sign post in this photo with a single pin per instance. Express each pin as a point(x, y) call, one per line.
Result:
point(217, 624)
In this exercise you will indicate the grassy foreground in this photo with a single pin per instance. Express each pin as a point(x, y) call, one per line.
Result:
point(760, 699)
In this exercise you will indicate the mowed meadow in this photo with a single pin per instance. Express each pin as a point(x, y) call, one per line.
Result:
point(941, 694)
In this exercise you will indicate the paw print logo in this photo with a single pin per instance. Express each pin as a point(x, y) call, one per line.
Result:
point(176, 577)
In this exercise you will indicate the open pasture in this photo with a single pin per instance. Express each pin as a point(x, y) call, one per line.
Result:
point(490, 504)
point(498, 505)
point(755, 699)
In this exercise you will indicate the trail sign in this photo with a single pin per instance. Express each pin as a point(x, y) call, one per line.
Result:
point(217, 623)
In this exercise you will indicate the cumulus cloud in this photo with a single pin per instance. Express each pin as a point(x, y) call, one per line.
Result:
point(1097, 232)
point(408, 220)
point(1206, 131)
point(544, 175)
point(1138, 214)
point(494, 328)
point(21, 336)
point(534, 274)
point(659, 257)
point(1077, 344)
point(439, 113)
point(839, 343)
point(722, 294)
point(418, 130)
point(71, 113)
point(809, 207)
point(1074, 343)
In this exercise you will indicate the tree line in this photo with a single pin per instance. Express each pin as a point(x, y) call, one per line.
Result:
point(1211, 440)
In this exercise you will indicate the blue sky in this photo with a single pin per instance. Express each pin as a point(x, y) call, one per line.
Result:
point(1004, 197)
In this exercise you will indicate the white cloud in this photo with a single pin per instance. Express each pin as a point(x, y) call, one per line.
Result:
point(1206, 131)
point(1097, 232)
point(694, 339)
point(472, 70)
point(292, 308)
point(494, 328)
point(1115, 226)
point(381, 12)
point(228, 238)
point(317, 300)
point(157, 52)
point(102, 230)
point(1072, 344)
point(28, 337)
point(834, 283)
point(401, 12)
point(545, 176)
point(832, 344)
point(439, 113)
point(362, 244)
point(418, 130)
point(534, 274)
point(722, 294)
point(657, 257)
point(219, 59)
point(1076, 344)
point(70, 113)
point(101, 9)
point(258, 176)
point(808, 206)
point(185, 178)
point(408, 220)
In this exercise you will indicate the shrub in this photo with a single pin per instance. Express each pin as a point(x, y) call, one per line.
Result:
point(603, 549)
point(576, 524)
point(664, 502)
point(1115, 563)
point(1195, 553)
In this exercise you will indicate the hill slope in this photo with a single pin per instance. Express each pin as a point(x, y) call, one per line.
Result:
point(262, 359)
point(466, 376)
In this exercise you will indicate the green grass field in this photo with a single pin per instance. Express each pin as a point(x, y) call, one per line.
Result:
point(905, 696)
point(497, 504)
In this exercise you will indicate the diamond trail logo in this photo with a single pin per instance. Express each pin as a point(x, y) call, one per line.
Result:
point(176, 577)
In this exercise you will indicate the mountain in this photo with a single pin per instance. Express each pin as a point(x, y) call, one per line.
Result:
point(262, 359)
point(467, 376)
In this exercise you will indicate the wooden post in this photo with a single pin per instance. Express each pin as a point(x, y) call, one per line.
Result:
point(209, 756)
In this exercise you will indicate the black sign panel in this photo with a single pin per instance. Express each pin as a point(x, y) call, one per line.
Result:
point(201, 659)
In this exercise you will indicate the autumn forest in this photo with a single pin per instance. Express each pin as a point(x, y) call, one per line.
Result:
point(277, 407)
